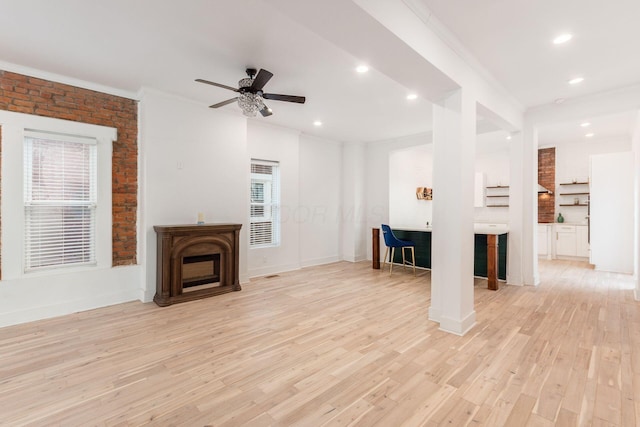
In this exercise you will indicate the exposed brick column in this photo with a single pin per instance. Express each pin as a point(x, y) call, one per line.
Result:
point(547, 178)
point(40, 97)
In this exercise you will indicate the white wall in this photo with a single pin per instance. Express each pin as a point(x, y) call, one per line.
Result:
point(353, 203)
point(194, 159)
point(612, 212)
point(635, 145)
point(572, 162)
point(310, 181)
point(320, 189)
point(377, 180)
point(413, 167)
point(277, 144)
point(27, 296)
point(410, 168)
point(493, 162)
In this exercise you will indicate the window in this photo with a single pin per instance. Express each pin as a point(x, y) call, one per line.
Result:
point(60, 200)
point(265, 204)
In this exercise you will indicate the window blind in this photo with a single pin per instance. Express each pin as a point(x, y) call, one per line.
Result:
point(60, 194)
point(265, 204)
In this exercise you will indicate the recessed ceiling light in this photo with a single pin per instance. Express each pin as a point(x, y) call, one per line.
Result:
point(412, 96)
point(508, 137)
point(362, 69)
point(562, 38)
point(317, 123)
point(576, 80)
point(589, 135)
point(585, 124)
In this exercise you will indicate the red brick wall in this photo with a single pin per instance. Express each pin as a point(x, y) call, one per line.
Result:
point(31, 95)
point(547, 178)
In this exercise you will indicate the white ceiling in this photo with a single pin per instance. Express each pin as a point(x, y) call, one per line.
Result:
point(167, 44)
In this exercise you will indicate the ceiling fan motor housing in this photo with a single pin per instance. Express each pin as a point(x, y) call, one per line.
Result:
point(251, 72)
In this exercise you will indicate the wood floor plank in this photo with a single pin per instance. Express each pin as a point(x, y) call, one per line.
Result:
point(334, 345)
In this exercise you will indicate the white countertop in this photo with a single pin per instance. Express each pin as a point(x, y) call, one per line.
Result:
point(478, 228)
point(584, 224)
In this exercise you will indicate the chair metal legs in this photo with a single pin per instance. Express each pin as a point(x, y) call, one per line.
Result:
point(404, 261)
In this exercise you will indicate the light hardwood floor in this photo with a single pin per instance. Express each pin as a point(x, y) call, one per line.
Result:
point(340, 344)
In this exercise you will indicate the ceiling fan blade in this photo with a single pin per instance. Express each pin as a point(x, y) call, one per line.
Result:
point(261, 79)
point(266, 111)
point(223, 103)
point(288, 98)
point(217, 84)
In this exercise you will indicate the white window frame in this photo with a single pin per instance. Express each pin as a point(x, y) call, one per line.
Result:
point(270, 204)
point(14, 127)
point(41, 250)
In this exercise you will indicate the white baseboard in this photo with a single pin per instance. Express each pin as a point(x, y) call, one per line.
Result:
point(68, 307)
point(27, 299)
point(319, 261)
point(458, 326)
point(264, 271)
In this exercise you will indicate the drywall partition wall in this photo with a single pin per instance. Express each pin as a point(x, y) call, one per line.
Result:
point(42, 293)
point(635, 144)
point(268, 142)
point(353, 215)
point(194, 160)
point(572, 163)
point(27, 297)
point(410, 168)
point(39, 97)
point(612, 212)
point(320, 189)
point(377, 180)
point(494, 164)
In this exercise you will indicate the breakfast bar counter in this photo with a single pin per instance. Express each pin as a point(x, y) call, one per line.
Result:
point(490, 249)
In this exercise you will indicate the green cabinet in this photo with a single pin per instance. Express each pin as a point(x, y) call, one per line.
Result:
point(422, 241)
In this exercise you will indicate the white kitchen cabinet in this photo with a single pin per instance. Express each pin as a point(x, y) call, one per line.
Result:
point(543, 240)
point(582, 241)
point(566, 244)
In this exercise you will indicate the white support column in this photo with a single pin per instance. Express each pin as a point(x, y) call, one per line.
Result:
point(353, 204)
point(530, 205)
point(635, 147)
point(454, 132)
point(515, 244)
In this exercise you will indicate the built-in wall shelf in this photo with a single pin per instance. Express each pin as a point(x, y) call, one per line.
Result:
point(580, 194)
point(499, 196)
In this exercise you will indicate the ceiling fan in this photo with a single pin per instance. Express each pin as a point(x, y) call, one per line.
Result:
point(250, 95)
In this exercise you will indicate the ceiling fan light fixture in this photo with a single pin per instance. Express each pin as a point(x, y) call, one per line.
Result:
point(250, 103)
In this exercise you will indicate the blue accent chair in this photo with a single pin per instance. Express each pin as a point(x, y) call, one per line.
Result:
point(391, 241)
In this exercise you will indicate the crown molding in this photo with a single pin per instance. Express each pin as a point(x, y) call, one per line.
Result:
point(419, 8)
point(58, 78)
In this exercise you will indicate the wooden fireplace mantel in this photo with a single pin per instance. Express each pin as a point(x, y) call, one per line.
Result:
point(217, 246)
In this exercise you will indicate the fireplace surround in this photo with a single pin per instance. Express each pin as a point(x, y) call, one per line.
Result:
point(196, 261)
